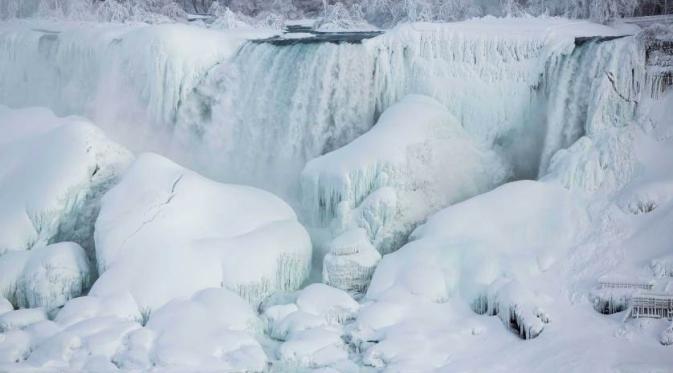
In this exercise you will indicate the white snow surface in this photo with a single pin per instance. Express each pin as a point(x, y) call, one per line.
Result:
point(165, 232)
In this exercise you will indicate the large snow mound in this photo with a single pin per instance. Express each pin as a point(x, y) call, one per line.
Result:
point(483, 249)
point(416, 160)
point(165, 232)
point(53, 172)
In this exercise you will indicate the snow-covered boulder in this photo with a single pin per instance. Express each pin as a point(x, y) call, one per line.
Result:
point(165, 232)
point(53, 172)
point(414, 161)
point(52, 275)
point(214, 330)
point(488, 250)
point(45, 276)
point(350, 261)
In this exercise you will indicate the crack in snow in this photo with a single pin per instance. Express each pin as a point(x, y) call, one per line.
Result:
point(174, 186)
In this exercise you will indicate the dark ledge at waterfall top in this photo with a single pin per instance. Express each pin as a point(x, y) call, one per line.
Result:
point(351, 37)
point(581, 40)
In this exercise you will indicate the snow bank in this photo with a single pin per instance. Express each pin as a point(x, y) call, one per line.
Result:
point(483, 249)
point(416, 160)
point(53, 172)
point(350, 261)
point(165, 232)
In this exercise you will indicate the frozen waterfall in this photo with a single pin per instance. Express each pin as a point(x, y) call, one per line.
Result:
point(257, 112)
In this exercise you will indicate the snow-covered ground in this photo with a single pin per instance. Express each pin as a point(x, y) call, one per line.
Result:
point(511, 174)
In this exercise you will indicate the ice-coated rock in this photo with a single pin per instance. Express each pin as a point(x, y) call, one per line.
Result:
point(212, 330)
point(53, 172)
point(479, 250)
point(414, 161)
point(165, 232)
point(45, 276)
point(350, 261)
point(52, 275)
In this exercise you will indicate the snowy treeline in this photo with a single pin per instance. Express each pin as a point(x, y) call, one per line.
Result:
point(383, 13)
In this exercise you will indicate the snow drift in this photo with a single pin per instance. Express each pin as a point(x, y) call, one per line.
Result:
point(165, 232)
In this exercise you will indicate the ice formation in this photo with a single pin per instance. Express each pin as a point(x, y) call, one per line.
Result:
point(416, 160)
point(53, 173)
point(350, 261)
point(165, 232)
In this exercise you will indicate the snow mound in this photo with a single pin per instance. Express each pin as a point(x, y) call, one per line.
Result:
point(485, 249)
point(165, 232)
point(350, 262)
point(53, 172)
point(211, 331)
point(416, 160)
point(52, 275)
